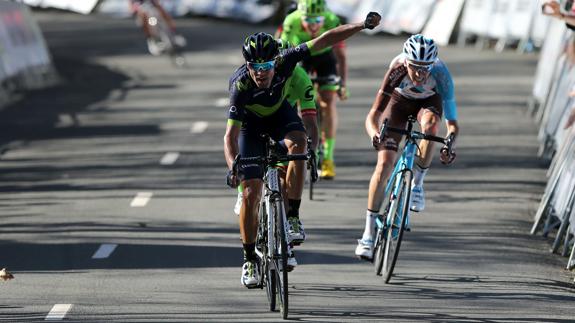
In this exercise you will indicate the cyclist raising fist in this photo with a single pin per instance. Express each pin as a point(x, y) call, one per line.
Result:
point(258, 104)
point(416, 84)
point(311, 19)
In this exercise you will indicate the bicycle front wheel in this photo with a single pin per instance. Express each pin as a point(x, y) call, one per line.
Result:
point(266, 269)
point(280, 259)
point(396, 219)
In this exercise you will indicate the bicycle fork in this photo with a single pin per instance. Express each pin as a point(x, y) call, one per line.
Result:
point(273, 199)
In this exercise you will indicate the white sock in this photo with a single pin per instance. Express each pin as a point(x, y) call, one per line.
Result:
point(369, 225)
point(419, 175)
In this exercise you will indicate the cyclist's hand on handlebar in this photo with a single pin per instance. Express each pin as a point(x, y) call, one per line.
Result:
point(446, 157)
point(372, 20)
point(232, 180)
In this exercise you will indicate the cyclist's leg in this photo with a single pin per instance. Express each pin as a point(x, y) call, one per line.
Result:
point(250, 145)
point(167, 18)
point(429, 117)
point(290, 128)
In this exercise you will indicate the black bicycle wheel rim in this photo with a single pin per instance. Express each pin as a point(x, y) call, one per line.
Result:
point(392, 247)
point(378, 251)
point(266, 269)
point(281, 263)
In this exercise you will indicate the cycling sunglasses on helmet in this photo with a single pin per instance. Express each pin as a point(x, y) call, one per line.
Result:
point(265, 66)
point(314, 19)
point(420, 67)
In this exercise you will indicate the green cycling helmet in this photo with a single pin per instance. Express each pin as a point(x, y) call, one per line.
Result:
point(312, 7)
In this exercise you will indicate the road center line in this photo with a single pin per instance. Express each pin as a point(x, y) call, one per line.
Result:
point(199, 127)
point(141, 199)
point(169, 158)
point(58, 312)
point(104, 251)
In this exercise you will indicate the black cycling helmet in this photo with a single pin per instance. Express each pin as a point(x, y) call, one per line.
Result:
point(260, 47)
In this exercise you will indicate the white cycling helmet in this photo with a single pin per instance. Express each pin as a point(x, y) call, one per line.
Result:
point(420, 49)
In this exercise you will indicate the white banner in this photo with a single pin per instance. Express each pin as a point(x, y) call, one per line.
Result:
point(499, 19)
point(552, 48)
point(442, 21)
point(520, 18)
point(476, 17)
point(80, 6)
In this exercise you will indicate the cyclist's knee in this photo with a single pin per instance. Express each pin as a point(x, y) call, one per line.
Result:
point(296, 142)
point(430, 123)
point(252, 191)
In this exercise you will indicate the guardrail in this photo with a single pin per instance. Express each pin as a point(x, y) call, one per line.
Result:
point(551, 106)
point(25, 62)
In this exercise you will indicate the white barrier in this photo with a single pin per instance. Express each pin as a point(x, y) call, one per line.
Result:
point(80, 6)
point(25, 62)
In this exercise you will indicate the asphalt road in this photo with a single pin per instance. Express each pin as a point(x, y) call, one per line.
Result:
point(95, 227)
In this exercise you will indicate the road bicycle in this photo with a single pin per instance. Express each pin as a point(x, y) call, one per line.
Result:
point(163, 40)
point(272, 240)
point(395, 219)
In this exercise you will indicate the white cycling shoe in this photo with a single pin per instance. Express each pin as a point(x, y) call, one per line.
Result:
point(364, 249)
point(291, 262)
point(296, 232)
point(250, 274)
point(417, 199)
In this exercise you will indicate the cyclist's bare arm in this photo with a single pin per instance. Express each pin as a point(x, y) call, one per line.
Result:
point(340, 55)
point(373, 120)
point(343, 32)
point(310, 124)
point(231, 147)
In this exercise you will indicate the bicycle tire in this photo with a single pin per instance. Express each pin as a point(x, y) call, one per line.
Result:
point(392, 245)
point(310, 188)
point(379, 241)
point(281, 260)
point(266, 271)
point(378, 246)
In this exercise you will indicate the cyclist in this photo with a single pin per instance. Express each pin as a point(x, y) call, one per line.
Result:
point(142, 20)
point(258, 104)
point(419, 84)
point(310, 20)
point(300, 94)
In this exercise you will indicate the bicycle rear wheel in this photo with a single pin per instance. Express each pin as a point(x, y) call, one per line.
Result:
point(397, 217)
point(280, 259)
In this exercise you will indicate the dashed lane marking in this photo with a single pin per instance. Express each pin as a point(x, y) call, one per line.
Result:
point(169, 158)
point(199, 127)
point(58, 312)
point(104, 251)
point(141, 199)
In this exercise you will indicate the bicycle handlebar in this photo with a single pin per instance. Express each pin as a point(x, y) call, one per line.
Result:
point(411, 134)
point(274, 156)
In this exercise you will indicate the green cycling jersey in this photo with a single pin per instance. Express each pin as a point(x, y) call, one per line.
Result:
point(300, 90)
point(294, 32)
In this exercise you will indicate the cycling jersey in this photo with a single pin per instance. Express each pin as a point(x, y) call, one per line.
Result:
point(439, 81)
point(294, 32)
point(246, 97)
point(301, 90)
point(267, 110)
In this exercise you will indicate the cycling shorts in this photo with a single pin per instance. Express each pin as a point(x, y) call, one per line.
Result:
point(277, 125)
point(324, 65)
point(398, 110)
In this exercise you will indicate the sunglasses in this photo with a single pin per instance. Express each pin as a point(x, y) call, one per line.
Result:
point(265, 66)
point(314, 20)
point(420, 68)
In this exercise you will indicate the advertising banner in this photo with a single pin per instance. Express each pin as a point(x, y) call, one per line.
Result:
point(80, 6)
point(442, 21)
point(476, 17)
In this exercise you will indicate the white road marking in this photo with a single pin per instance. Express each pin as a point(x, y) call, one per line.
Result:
point(141, 199)
point(222, 102)
point(169, 158)
point(104, 251)
point(58, 312)
point(199, 127)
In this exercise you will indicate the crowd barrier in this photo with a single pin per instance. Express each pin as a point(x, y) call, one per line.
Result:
point(551, 106)
point(25, 62)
